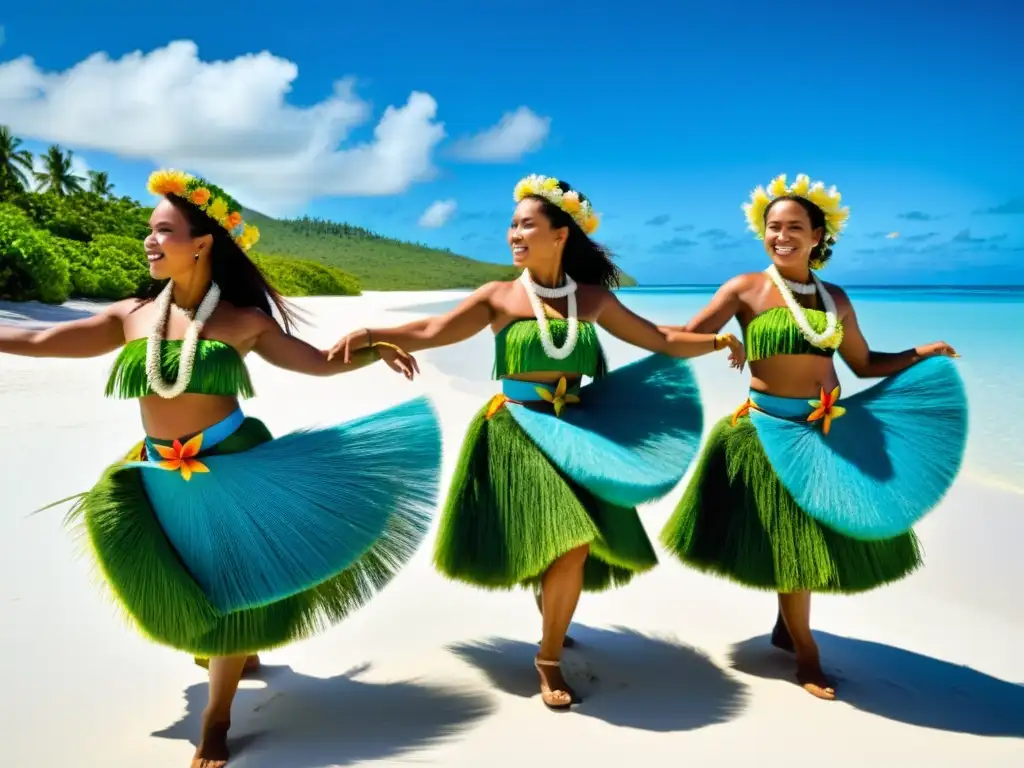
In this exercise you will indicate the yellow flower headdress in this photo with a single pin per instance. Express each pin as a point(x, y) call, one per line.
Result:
point(571, 202)
point(210, 199)
point(826, 199)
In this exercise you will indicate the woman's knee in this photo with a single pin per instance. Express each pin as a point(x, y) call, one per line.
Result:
point(577, 556)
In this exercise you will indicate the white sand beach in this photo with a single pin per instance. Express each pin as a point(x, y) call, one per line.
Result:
point(675, 669)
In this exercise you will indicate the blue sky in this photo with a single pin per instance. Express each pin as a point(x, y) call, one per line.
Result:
point(665, 118)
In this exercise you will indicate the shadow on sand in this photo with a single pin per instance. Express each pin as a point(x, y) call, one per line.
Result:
point(308, 722)
point(32, 314)
point(625, 678)
point(900, 685)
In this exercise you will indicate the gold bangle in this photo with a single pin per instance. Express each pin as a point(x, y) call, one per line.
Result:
point(389, 345)
point(714, 343)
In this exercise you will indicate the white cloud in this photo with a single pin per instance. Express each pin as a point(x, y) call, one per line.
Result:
point(228, 120)
point(892, 236)
point(438, 213)
point(516, 134)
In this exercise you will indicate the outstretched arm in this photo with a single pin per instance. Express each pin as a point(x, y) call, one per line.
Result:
point(865, 362)
point(626, 325)
point(719, 311)
point(293, 354)
point(92, 336)
point(463, 322)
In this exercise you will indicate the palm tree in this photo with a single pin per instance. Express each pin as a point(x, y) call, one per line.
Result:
point(15, 163)
point(57, 176)
point(99, 183)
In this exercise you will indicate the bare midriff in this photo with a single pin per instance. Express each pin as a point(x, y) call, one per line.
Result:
point(185, 415)
point(793, 375)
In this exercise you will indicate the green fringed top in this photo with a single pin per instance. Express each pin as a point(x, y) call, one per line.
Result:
point(518, 349)
point(218, 370)
point(775, 332)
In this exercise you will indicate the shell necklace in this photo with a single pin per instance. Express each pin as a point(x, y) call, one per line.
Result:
point(827, 339)
point(567, 291)
point(188, 348)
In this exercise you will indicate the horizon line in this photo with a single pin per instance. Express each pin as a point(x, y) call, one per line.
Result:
point(902, 286)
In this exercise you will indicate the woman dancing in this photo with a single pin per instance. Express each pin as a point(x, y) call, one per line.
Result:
point(551, 472)
point(217, 539)
point(794, 492)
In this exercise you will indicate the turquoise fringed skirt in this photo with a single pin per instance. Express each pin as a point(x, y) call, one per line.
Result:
point(794, 495)
point(544, 471)
point(231, 542)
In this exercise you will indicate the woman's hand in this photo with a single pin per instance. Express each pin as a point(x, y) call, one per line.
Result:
point(398, 359)
point(353, 342)
point(936, 349)
point(737, 352)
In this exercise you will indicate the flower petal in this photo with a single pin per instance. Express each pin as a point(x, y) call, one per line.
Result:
point(837, 411)
point(560, 389)
point(544, 394)
point(496, 404)
point(740, 412)
point(197, 466)
point(818, 413)
point(166, 452)
point(171, 464)
point(191, 448)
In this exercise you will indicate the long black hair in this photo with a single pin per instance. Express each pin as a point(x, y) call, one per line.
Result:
point(584, 260)
point(241, 282)
point(822, 252)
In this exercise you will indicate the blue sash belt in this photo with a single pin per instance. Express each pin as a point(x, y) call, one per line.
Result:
point(218, 433)
point(526, 391)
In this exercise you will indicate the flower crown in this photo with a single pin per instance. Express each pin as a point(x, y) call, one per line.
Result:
point(826, 199)
point(570, 202)
point(210, 199)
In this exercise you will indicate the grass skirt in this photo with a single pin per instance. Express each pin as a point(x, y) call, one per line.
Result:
point(253, 542)
point(885, 462)
point(530, 486)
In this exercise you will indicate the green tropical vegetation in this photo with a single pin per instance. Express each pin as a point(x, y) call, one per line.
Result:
point(63, 235)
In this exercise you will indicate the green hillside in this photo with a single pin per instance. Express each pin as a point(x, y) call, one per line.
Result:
point(63, 236)
point(379, 263)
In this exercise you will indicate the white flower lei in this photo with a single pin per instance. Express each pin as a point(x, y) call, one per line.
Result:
point(534, 291)
point(188, 347)
point(827, 339)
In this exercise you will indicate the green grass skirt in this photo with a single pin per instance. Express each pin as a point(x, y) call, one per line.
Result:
point(511, 513)
point(737, 520)
point(161, 599)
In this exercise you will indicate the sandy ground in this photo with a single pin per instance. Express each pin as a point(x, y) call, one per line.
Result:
point(675, 668)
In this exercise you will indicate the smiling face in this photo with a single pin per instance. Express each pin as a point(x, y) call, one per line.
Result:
point(789, 235)
point(535, 243)
point(170, 247)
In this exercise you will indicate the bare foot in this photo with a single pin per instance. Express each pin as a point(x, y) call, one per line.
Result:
point(212, 751)
point(252, 663)
point(554, 691)
point(813, 680)
point(781, 638)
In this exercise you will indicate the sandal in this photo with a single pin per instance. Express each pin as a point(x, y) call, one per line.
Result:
point(554, 699)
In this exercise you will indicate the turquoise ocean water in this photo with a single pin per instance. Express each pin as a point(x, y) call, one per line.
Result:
point(979, 322)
